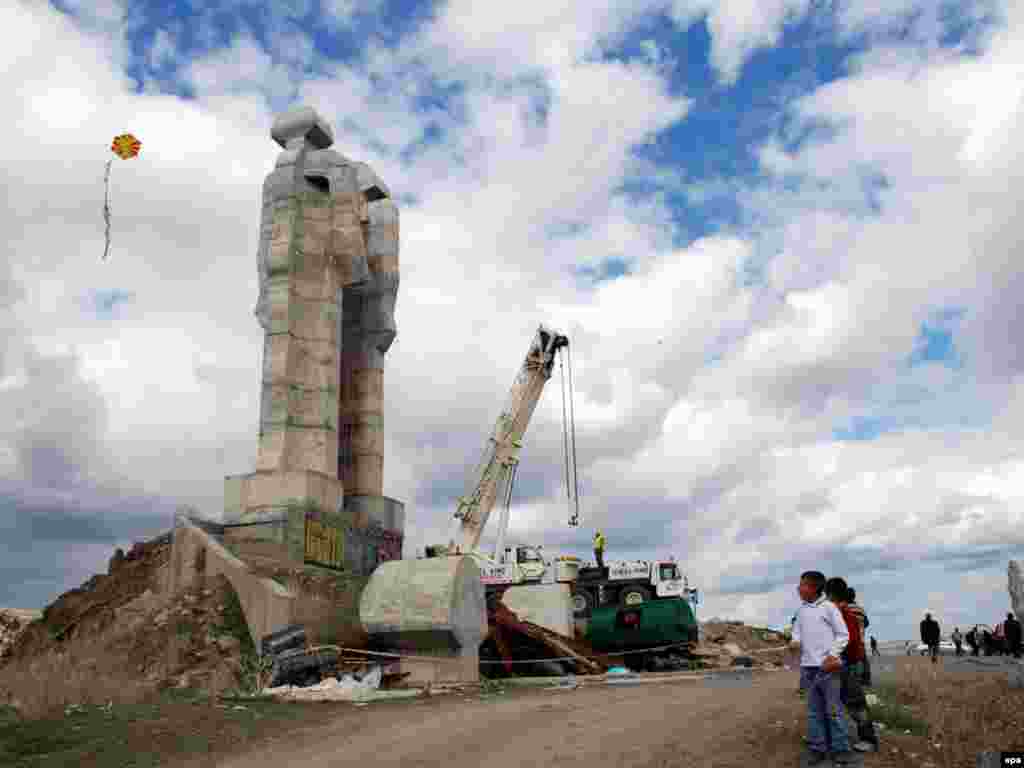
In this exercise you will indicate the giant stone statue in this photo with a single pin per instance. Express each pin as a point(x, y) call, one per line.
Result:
point(328, 273)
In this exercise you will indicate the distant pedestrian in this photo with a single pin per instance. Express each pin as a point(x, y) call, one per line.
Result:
point(988, 642)
point(930, 635)
point(1013, 635)
point(852, 675)
point(874, 647)
point(820, 635)
point(599, 549)
point(863, 622)
point(972, 640)
point(958, 641)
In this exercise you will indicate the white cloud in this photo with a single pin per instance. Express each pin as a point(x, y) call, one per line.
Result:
point(704, 454)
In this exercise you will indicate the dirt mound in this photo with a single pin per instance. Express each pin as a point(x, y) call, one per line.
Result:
point(92, 608)
point(117, 637)
point(724, 641)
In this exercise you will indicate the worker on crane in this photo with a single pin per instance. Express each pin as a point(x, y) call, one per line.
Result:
point(599, 549)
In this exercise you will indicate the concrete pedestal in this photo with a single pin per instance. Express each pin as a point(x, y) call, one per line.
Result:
point(285, 515)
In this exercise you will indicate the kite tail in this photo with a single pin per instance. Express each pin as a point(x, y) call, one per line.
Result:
point(106, 207)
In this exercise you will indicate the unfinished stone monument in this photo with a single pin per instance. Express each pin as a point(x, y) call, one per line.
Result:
point(1015, 585)
point(328, 268)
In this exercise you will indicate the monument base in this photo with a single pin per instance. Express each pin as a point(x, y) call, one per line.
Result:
point(290, 517)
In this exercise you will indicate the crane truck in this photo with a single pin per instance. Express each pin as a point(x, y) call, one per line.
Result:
point(624, 583)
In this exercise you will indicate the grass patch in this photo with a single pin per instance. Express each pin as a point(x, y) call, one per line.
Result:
point(141, 735)
point(892, 711)
point(961, 713)
point(183, 628)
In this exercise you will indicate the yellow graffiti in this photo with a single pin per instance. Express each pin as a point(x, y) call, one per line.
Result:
point(323, 544)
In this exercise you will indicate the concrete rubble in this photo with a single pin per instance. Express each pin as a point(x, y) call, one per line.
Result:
point(13, 622)
point(733, 643)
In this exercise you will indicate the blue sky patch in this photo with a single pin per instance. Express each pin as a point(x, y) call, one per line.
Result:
point(866, 428)
point(609, 269)
point(105, 304)
point(935, 343)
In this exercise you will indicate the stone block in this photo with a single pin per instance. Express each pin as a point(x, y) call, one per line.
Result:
point(434, 603)
point(387, 512)
point(547, 605)
point(311, 447)
point(270, 452)
point(278, 489)
point(302, 122)
point(368, 389)
point(440, 669)
point(310, 286)
point(313, 318)
point(311, 363)
point(367, 435)
point(368, 474)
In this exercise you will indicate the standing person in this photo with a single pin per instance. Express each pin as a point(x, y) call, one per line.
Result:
point(820, 635)
point(987, 642)
point(972, 640)
point(874, 647)
point(930, 636)
point(1013, 635)
point(863, 623)
point(999, 638)
point(599, 549)
point(958, 641)
point(851, 676)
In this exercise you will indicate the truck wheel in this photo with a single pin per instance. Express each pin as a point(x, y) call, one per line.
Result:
point(582, 604)
point(631, 596)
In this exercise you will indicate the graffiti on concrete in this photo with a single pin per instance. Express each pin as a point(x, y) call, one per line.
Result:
point(369, 547)
point(324, 544)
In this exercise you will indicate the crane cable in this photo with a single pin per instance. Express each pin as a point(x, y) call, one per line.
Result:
point(565, 435)
point(572, 486)
point(575, 519)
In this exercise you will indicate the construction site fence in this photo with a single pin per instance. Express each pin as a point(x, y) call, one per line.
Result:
point(633, 652)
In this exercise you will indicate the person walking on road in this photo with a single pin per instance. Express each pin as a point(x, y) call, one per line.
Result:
point(958, 641)
point(1012, 630)
point(930, 635)
point(874, 647)
point(599, 549)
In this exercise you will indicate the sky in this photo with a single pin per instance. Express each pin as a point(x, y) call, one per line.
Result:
point(781, 236)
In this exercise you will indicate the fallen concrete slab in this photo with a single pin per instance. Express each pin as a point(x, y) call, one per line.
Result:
point(432, 612)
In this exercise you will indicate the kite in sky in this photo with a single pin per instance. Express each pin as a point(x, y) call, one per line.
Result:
point(126, 147)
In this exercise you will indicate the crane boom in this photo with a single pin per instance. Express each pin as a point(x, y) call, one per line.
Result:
point(502, 453)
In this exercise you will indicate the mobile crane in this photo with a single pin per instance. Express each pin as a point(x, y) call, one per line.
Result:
point(626, 583)
point(495, 475)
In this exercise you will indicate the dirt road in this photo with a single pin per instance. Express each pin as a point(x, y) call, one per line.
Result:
point(711, 722)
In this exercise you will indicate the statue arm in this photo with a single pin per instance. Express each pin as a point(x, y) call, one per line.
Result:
point(262, 310)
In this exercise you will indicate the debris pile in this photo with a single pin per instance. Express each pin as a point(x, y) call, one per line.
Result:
point(514, 642)
point(119, 627)
point(733, 643)
point(13, 622)
point(91, 609)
